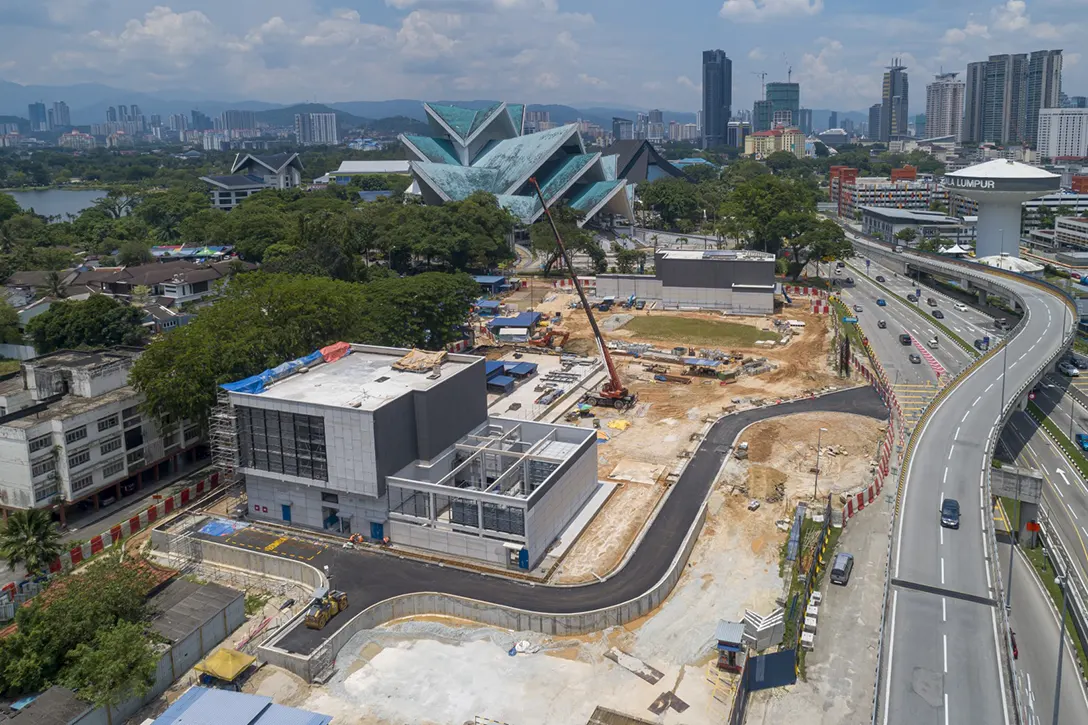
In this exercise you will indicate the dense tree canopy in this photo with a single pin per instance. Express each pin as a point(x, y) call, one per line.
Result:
point(98, 321)
point(263, 320)
point(575, 239)
point(59, 630)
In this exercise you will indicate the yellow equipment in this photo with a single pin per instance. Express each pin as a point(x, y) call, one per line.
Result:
point(327, 603)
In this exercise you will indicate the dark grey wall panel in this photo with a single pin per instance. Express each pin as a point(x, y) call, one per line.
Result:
point(394, 437)
point(450, 410)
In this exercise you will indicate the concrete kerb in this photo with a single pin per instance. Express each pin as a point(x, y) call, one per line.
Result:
point(904, 470)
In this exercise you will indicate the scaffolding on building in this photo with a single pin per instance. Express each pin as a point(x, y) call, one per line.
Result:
point(224, 439)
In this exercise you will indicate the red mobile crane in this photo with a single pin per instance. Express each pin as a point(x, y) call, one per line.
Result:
point(614, 394)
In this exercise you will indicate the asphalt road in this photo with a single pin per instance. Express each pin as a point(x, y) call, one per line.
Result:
point(943, 652)
point(370, 577)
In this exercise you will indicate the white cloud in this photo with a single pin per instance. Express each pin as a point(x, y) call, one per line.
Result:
point(827, 77)
point(566, 40)
point(592, 80)
point(685, 82)
point(759, 10)
point(1012, 17)
point(1070, 59)
point(547, 80)
point(756, 53)
point(652, 86)
point(970, 30)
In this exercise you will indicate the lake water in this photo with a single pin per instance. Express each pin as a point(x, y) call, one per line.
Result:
point(52, 202)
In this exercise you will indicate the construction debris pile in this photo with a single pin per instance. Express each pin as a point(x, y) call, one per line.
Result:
point(726, 366)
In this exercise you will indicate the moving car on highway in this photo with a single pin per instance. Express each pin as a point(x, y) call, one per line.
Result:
point(881, 302)
point(1082, 441)
point(915, 358)
point(857, 308)
point(880, 278)
point(912, 298)
point(950, 513)
point(960, 307)
point(882, 324)
point(938, 314)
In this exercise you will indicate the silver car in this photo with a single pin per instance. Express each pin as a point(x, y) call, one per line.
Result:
point(1068, 369)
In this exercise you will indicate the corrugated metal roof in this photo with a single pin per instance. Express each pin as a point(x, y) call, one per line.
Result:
point(184, 606)
point(203, 706)
point(727, 631)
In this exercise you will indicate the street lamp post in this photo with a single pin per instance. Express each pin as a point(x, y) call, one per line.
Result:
point(1062, 583)
point(816, 482)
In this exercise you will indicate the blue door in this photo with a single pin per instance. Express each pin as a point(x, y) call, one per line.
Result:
point(377, 531)
point(286, 512)
point(523, 559)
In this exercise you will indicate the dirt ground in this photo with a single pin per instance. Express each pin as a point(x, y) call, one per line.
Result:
point(439, 670)
point(782, 454)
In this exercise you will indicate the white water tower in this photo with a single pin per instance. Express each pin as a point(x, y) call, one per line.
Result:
point(1000, 187)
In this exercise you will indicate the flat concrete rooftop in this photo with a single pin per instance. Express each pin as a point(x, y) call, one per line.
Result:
point(366, 377)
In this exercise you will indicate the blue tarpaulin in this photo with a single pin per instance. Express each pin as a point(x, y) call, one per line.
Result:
point(503, 382)
point(220, 527)
point(493, 368)
point(257, 383)
point(525, 319)
point(488, 304)
point(521, 369)
point(701, 362)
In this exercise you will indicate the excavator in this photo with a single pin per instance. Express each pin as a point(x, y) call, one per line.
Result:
point(554, 337)
point(614, 394)
point(326, 604)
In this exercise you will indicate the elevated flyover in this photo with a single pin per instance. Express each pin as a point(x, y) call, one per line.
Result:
point(945, 656)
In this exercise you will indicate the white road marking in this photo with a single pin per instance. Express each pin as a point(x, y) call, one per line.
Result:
point(1059, 492)
point(1083, 531)
point(946, 702)
point(891, 659)
point(950, 452)
point(944, 637)
point(1073, 512)
point(988, 387)
point(1061, 473)
point(942, 570)
point(997, 652)
point(941, 529)
point(944, 478)
point(1013, 365)
point(975, 403)
point(1032, 450)
point(944, 609)
point(957, 436)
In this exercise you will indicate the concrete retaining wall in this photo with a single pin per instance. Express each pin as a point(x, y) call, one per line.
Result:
point(310, 666)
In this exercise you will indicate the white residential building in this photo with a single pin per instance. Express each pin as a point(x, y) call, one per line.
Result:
point(944, 106)
point(323, 128)
point(1071, 231)
point(77, 431)
point(1063, 133)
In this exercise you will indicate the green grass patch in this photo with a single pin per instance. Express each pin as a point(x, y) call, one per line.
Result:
point(929, 318)
point(255, 603)
point(1071, 450)
point(9, 366)
point(1046, 573)
point(1080, 345)
point(691, 331)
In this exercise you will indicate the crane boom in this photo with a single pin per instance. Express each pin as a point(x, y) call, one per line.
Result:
point(614, 389)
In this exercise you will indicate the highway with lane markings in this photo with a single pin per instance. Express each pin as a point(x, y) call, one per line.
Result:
point(944, 652)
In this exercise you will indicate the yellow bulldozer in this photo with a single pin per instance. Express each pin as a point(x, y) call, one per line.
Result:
point(326, 604)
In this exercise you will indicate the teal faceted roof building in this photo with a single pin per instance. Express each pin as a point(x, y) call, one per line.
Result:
point(485, 149)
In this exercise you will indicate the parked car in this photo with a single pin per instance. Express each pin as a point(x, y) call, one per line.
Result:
point(880, 278)
point(881, 324)
point(106, 500)
point(881, 302)
point(1080, 362)
point(915, 358)
point(950, 513)
point(1068, 369)
point(857, 308)
point(938, 314)
point(841, 567)
point(912, 298)
point(640, 305)
point(960, 307)
point(1082, 441)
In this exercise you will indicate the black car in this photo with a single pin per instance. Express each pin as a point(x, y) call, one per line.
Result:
point(938, 314)
point(912, 298)
point(640, 305)
point(849, 280)
point(882, 324)
point(915, 358)
point(880, 278)
point(950, 513)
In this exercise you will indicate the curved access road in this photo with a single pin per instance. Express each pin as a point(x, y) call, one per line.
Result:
point(944, 648)
point(371, 577)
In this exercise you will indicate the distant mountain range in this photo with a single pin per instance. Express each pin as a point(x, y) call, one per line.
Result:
point(88, 103)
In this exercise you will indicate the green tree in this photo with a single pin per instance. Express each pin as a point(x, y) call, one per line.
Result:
point(754, 207)
point(117, 202)
point(134, 253)
point(9, 324)
point(626, 259)
point(907, 235)
point(673, 199)
point(817, 239)
point(29, 538)
point(98, 321)
point(8, 207)
point(575, 238)
point(118, 664)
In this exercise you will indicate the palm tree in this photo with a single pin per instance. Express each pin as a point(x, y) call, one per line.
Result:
point(54, 285)
point(30, 538)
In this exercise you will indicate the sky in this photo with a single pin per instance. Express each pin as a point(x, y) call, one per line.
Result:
point(639, 53)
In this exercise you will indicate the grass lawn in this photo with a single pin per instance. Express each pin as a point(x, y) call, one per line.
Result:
point(9, 366)
point(697, 332)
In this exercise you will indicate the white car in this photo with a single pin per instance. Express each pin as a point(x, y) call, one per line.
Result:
point(961, 307)
point(1068, 369)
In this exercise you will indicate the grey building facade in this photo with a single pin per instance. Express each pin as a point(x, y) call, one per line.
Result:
point(322, 447)
point(973, 102)
point(737, 281)
point(717, 96)
point(894, 107)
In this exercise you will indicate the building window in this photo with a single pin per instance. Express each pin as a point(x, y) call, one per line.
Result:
point(76, 434)
point(42, 465)
point(330, 498)
point(46, 492)
point(107, 423)
point(192, 432)
point(79, 458)
point(112, 468)
point(78, 484)
point(170, 439)
point(40, 443)
point(109, 446)
point(136, 456)
point(131, 416)
point(279, 442)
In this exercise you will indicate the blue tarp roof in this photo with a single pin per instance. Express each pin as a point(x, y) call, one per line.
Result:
point(493, 367)
point(700, 361)
point(521, 368)
point(489, 304)
point(525, 319)
point(260, 381)
point(503, 380)
point(489, 278)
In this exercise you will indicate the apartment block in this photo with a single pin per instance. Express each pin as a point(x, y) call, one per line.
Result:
point(77, 432)
point(397, 443)
point(883, 192)
point(1071, 231)
point(762, 144)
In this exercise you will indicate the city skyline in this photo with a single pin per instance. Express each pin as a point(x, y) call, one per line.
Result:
point(552, 51)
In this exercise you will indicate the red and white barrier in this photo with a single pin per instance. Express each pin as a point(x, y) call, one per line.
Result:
point(134, 524)
point(459, 346)
point(589, 285)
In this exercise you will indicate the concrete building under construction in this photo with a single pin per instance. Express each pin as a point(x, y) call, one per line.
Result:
point(395, 443)
point(738, 281)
